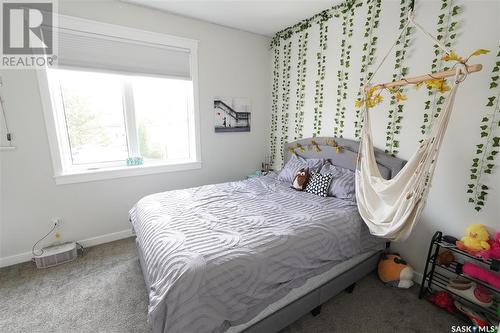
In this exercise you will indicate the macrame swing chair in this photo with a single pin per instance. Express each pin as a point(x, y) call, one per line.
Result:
point(391, 208)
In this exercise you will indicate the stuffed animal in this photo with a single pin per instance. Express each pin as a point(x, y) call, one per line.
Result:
point(445, 258)
point(394, 271)
point(472, 270)
point(494, 251)
point(300, 180)
point(475, 239)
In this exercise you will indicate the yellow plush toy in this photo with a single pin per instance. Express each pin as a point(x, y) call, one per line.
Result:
point(475, 239)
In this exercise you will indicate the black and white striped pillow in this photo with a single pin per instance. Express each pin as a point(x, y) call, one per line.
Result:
point(318, 184)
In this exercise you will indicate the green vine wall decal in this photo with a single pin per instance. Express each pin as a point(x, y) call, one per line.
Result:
point(446, 33)
point(395, 114)
point(274, 107)
point(368, 55)
point(300, 92)
point(319, 83)
point(343, 72)
point(323, 16)
point(285, 97)
point(487, 150)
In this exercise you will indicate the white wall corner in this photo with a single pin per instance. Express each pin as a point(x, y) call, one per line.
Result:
point(417, 277)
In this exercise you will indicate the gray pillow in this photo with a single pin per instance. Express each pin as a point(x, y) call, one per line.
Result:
point(343, 185)
point(295, 164)
point(385, 172)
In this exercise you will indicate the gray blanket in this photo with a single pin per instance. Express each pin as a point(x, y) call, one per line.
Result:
point(217, 255)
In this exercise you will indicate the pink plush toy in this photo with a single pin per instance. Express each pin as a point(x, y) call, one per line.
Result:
point(482, 274)
point(494, 251)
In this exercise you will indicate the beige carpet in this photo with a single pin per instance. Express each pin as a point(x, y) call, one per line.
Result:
point(104, 291)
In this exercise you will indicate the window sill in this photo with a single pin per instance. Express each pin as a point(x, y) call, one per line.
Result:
point(121, 172)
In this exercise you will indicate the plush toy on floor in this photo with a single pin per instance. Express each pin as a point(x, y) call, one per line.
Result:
point(394, 271)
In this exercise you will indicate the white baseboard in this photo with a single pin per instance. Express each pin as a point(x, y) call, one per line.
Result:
point(106, 238)
point(417, 277)
point(26, 256)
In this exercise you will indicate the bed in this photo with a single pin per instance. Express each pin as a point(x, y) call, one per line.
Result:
point(252, 255)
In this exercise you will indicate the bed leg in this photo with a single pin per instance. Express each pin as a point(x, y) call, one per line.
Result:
point(350, 289)
point(316, 311)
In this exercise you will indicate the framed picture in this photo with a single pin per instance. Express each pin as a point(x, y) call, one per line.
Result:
point(232, 114)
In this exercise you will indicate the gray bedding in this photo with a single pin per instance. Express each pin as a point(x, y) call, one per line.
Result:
point(217, 255)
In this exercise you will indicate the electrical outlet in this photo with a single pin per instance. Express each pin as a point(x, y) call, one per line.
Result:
point(57, 221)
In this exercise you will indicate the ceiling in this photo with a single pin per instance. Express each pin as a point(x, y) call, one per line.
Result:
point(258, 16)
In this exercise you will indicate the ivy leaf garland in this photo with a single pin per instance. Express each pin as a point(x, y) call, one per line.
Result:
point(274, 107)
point(395, 114)
point(489, 146)
point(285, 97)
point(323, 16)
point(300, 91)
point(367, 55)
point(343, 72)
point(319, 83)
point(446, 33)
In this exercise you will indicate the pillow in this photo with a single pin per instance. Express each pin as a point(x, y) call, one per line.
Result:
point(318, 184)
point(287, 174)
point(343, 185)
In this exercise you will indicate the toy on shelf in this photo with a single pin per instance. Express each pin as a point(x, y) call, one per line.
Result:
point(444, 300)
point(445, 258)
point(494, 251)
point(394, 271)
point(475, 239)
point(482, 274)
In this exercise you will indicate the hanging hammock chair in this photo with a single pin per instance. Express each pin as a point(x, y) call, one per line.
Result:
point(391, 208)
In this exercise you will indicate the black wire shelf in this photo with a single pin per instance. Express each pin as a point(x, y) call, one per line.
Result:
point(438, 276)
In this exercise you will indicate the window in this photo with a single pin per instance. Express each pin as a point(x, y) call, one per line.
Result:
point(107, 113)
point(108, 118)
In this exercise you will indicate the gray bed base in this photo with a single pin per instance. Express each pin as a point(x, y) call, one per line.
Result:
point(292, 312)
point(315, 298)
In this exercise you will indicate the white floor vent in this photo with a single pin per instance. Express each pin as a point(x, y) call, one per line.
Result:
point(56, 255)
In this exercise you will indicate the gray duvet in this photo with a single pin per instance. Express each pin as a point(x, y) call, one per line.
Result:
point(215, 256)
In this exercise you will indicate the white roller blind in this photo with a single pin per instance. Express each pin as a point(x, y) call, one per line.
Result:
point(90, 50)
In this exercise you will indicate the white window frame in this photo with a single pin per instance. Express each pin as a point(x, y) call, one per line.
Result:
point(59, 143)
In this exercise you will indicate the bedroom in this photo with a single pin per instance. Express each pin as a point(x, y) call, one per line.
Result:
point(80, 176)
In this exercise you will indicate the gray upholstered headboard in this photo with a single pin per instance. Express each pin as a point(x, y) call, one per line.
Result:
point(323, 147)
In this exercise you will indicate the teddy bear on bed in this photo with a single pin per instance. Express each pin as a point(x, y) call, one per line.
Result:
point(300, 180)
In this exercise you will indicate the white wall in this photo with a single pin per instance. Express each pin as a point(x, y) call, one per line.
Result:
point(447, 208)
point(231, 63)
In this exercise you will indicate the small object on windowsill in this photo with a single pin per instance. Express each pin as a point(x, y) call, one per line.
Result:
point(255, 174)
point(132, 161)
